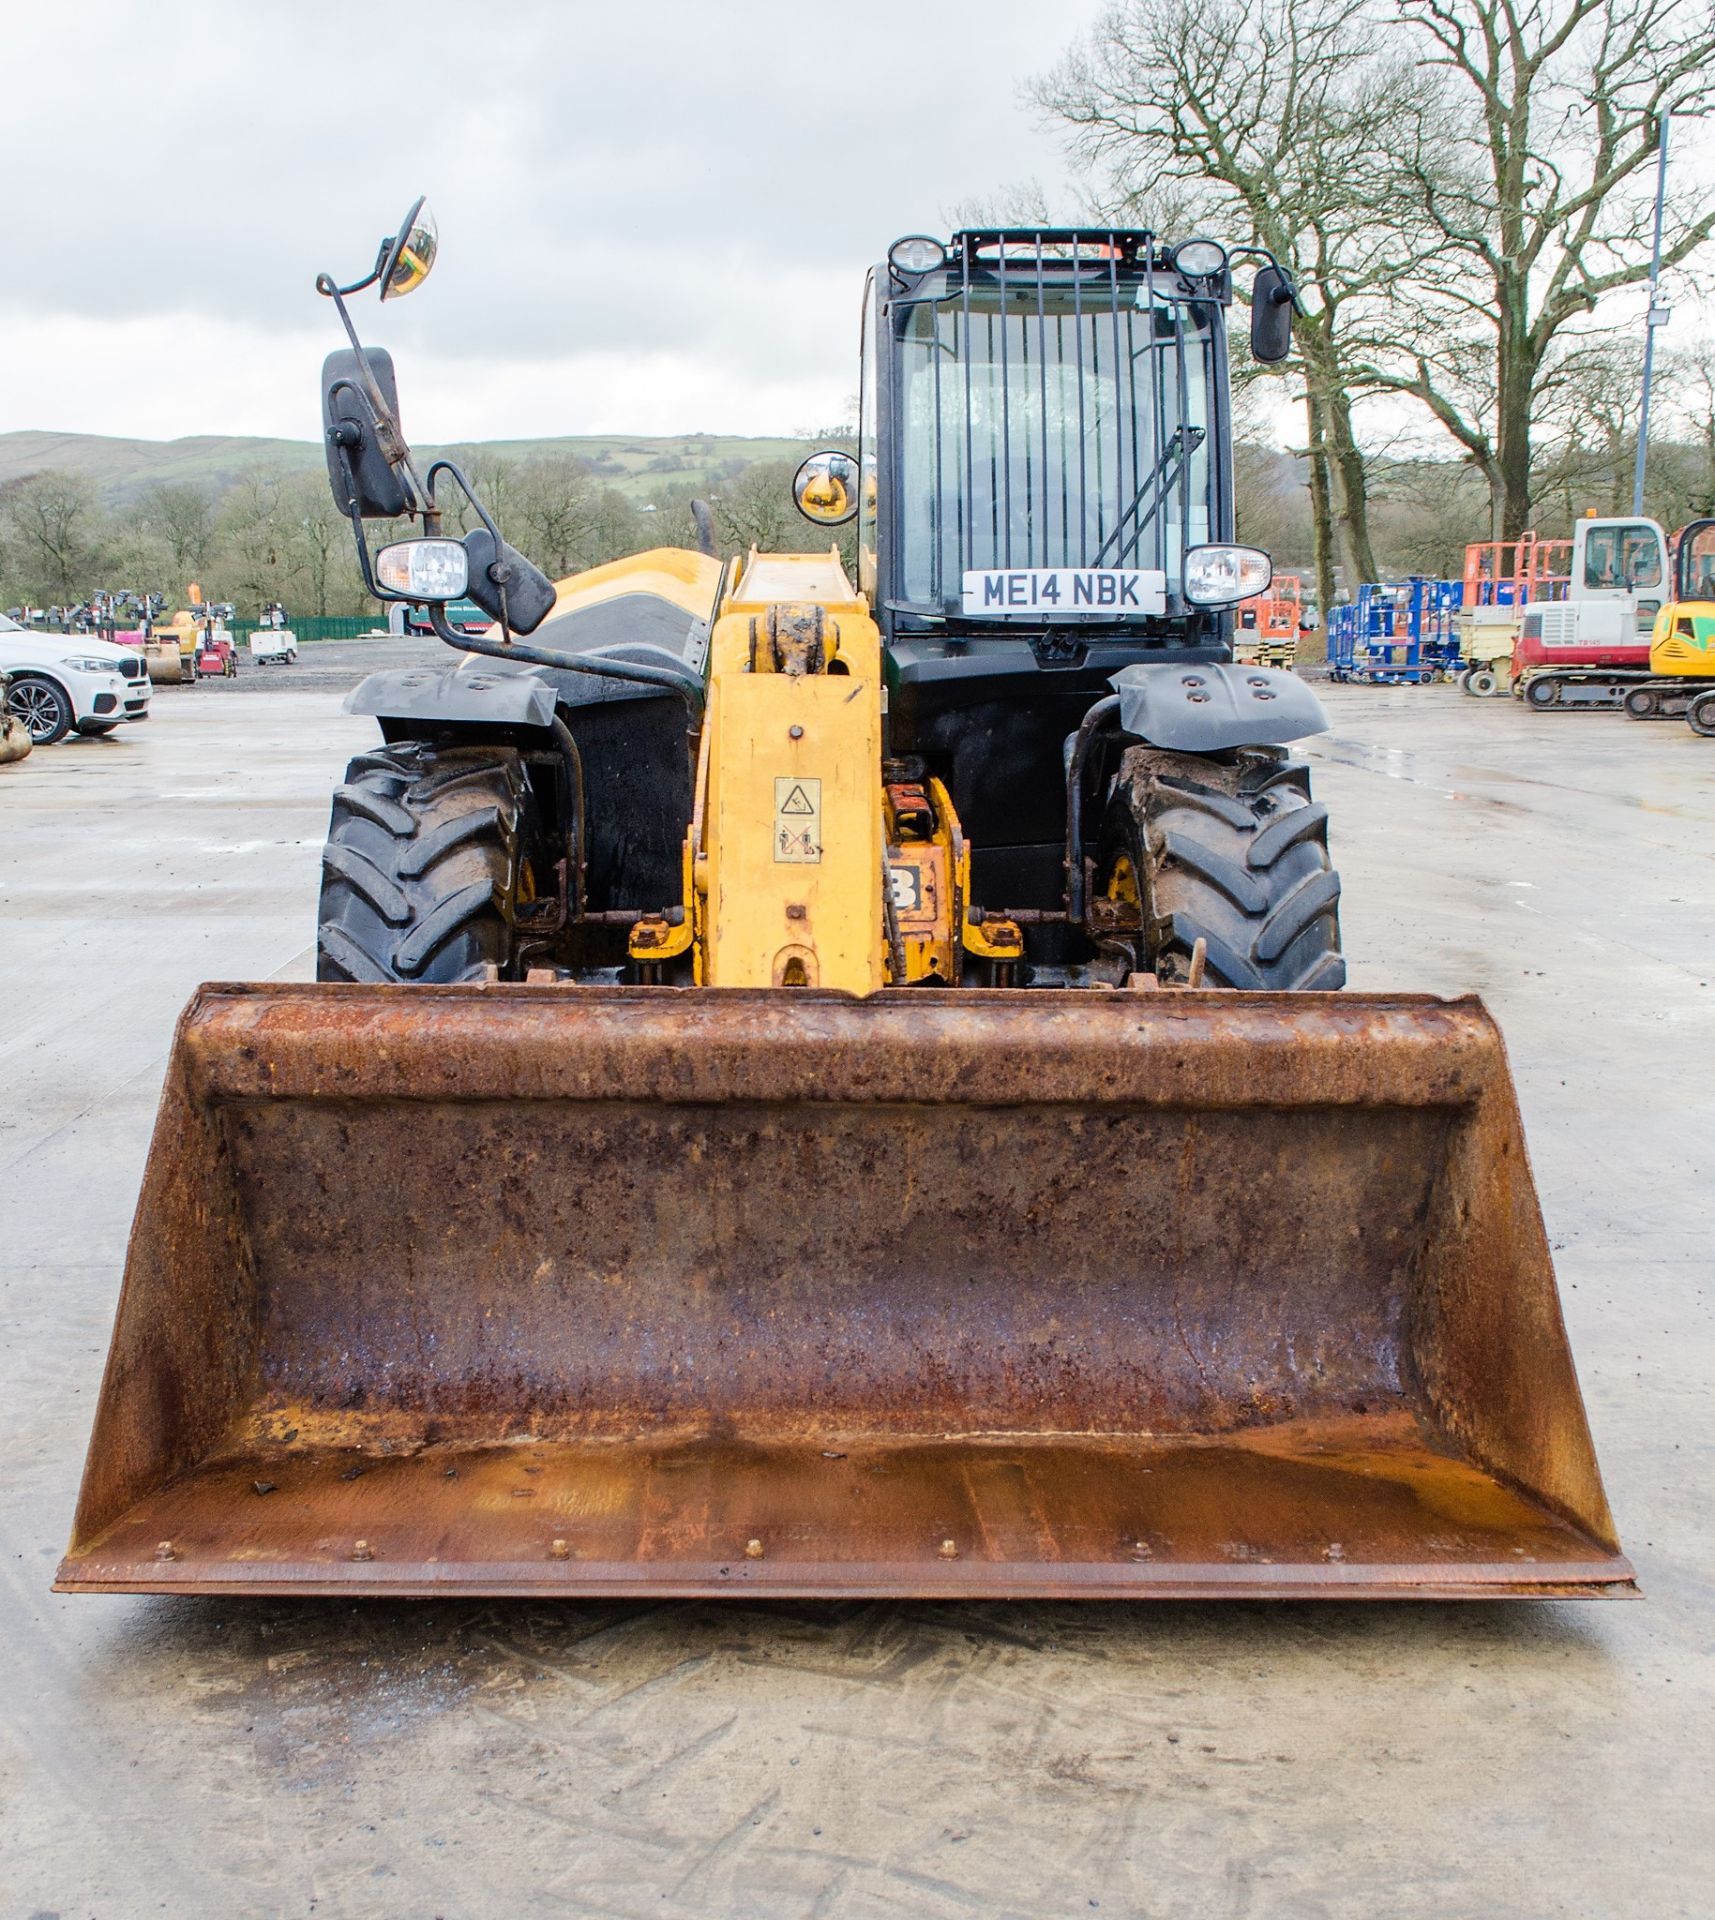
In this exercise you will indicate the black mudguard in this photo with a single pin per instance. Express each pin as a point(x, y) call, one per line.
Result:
point(1207, 707)
point(455, 696)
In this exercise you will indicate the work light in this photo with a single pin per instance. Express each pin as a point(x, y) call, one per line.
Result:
point(1199, 259)
point(916, 254)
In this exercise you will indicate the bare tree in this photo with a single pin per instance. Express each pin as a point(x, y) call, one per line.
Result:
point(1424, 513)
point(1690, 373)
point(1585, 426)
point(319, 542)
point(555, 505)
point(756, 510)
point(1534, 170)
point(54, 523)
point(256, 535)
point(496, 477)
point(181, 517)
point(1271, 112)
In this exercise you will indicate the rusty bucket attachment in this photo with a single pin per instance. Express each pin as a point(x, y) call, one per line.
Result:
point(527, 1290)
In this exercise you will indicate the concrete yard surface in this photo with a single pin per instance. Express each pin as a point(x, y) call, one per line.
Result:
point(679, 1761)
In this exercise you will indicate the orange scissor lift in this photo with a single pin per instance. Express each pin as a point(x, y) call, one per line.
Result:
point(1502, 579)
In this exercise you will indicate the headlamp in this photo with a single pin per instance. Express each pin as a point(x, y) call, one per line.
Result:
point(423, 569)
point(1219, 576)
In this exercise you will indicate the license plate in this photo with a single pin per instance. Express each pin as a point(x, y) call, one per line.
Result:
point(1014, 591)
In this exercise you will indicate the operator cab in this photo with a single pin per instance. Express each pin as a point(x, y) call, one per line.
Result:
point(1045, 498)
point(1046, 419)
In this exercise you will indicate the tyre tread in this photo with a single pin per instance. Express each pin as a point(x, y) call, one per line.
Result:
point(1233, 851)
point(421, 864)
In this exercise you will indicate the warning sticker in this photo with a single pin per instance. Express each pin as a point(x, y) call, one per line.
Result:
point(798, 822)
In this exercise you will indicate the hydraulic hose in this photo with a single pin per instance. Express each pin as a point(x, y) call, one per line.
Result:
point(602, 665)
point(1098, 717)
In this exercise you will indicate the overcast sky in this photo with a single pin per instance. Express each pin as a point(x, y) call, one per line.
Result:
point(655, 214)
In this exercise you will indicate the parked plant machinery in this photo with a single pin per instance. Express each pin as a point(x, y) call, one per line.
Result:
point(1267, 625)
point(1682, 641)
point(782, 1125)
point(1586, 647)
point(216, 655)
point(1396, 633)
point(163, 660)
point(167, 648)
point(274, 643)
point(1502, 578)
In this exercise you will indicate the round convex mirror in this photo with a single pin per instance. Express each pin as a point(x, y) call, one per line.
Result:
point(412, 253)
point(826, 488)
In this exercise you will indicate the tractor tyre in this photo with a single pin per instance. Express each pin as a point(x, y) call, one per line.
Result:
point(421, 871)
point(1229, 849)
point(1700, 715)
point(1481, 683)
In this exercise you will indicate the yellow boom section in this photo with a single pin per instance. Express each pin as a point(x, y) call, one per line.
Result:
point(788, 843)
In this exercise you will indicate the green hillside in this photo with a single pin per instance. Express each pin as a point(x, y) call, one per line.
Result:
point(633, 464)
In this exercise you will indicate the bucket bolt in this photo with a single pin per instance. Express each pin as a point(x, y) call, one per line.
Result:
point(949, 1549)
point(361, 1551)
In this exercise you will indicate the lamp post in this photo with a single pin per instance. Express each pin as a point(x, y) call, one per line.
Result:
point(1657, 317)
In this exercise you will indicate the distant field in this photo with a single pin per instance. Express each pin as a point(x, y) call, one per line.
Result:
point(121, 469)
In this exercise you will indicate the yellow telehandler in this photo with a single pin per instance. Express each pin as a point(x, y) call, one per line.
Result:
point(832, 1087)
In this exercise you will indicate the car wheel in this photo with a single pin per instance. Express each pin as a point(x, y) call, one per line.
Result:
point(43, 705)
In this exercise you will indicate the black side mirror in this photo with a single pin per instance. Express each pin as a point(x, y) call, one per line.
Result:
point(358, 470)
point(498, 568)
point(1272, 300)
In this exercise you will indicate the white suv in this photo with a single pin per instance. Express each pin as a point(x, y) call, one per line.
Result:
point(62, 681)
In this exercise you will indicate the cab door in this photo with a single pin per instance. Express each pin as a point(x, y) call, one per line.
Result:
point(1621, 564)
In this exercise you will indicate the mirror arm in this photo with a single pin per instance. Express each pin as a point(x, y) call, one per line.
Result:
point(439, 467)
point(1263, 254)
point(391, 441)
point(363, 563)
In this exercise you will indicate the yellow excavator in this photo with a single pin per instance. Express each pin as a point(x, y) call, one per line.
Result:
point(1682, 641)
point(823, 1086)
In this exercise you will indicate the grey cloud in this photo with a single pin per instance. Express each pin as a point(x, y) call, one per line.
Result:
point(670, 177)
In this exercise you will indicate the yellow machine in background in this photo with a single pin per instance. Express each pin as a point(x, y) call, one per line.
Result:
point(1682, 640)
